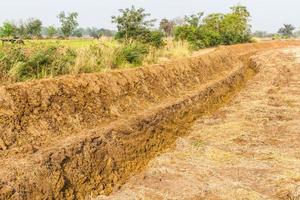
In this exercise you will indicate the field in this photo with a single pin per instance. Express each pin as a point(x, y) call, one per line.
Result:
point(105, 101)
point(90, 133)
point(73, 43)
point(50, 58)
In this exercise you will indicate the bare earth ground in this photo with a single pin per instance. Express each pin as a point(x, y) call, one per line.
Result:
point(249, 149)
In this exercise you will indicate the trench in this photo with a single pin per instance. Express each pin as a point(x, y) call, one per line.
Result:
point(101, 159)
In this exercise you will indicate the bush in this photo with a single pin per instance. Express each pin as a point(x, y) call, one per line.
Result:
point(132, 53)
point(216, 29)
point(38, 62)
point(191, 34)
point(154, 38)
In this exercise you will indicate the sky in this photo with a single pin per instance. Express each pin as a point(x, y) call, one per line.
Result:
point(267, 15)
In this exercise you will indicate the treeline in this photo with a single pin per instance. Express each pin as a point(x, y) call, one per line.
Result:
point(216, 29)
point(285, 32)
point(33, 28)
point(134, 26)
point(199, 30)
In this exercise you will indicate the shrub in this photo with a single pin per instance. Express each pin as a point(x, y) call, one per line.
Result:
point(216, 29)
point(132, 53)
point(153, 38)
point(41, 61)
point(38, 59)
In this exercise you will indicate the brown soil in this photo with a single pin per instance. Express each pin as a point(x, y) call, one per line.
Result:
point(75, 136)
point(247, 150)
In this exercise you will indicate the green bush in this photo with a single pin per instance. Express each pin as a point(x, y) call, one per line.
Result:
point(154, 38)
point(132, 53)
point(38, 62)
point(216, 29)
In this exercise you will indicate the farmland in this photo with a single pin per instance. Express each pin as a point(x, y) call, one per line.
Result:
point(195, 107)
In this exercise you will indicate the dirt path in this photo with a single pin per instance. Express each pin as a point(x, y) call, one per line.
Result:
point(249, 149)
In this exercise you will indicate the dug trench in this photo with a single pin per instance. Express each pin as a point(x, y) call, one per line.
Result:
point(78, 136)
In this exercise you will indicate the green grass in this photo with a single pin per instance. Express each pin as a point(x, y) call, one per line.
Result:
point(73, 43)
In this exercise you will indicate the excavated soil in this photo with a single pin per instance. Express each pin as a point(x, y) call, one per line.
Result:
point(249, 149)
point(79, 136)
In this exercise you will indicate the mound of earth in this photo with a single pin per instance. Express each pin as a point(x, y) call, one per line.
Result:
point(76, 136)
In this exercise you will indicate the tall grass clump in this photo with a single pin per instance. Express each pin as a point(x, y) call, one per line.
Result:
point(97, 57)
point(38, 61)
point(172, 50)
point(108, 55)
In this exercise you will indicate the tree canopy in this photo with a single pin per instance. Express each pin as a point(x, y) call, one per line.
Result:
point(216, 28)
point(8, 29)
point(33, 27)
point(132, 24)
point(287, 30)
point(68, 22)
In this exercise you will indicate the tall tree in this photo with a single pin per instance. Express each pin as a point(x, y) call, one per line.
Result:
point(21, 29)
point(93, 32)
point(34, 27)
point(79, 32)
point(167, 26)
point(8, 29)
point(287, 30)
point(68, 22)
point(235, 27)
point(51, 31)
point(132, 23)
point(194, 20)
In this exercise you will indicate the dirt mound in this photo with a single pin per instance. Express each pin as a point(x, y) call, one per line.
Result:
point(90, 133)
point(248, 149)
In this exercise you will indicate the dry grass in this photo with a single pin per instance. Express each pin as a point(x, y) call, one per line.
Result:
point(172, 50)
point(79, 56)
point(102, 56)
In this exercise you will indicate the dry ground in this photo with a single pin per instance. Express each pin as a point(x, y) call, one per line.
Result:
point(249, 149)
point(90, 133)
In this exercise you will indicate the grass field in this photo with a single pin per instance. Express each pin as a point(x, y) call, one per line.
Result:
point(73, 43)
point(49, 58)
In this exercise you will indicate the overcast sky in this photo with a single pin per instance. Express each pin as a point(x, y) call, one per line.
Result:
point(267, 15)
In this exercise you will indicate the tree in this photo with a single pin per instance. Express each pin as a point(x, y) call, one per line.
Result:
point(287, 30)
point(216, 28)
point(68, 22)
point(178, 21)
point(97, 33)
point(261, 34)
point(34, 27)
point(235, 27)
point(167, 26)
point(194, 20)
point(93, 32)
point(132, 23)
point(297, 34)
point(21, 30)
point(8, 29)
point(79, 32)
point(51, 31)
point(106, 32)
